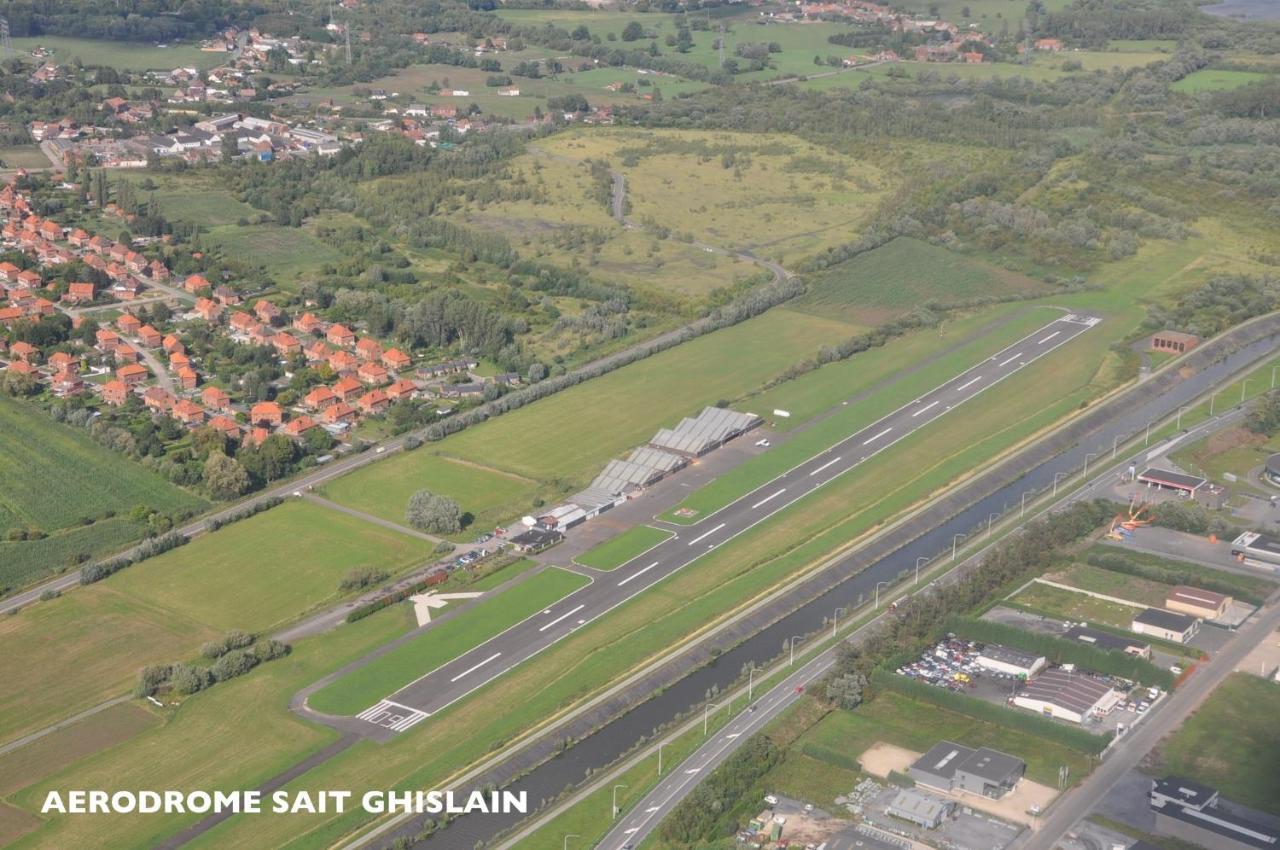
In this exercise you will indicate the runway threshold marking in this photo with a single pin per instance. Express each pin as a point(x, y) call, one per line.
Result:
point(930, 406)
point(825, 465)
point(561, 617)
point(475, 667)
point(1015, 356)
point(638, 573)
point(706, 534)
point(877, 436)
point(1049, 337)
point(966, 386)
point(767, 498)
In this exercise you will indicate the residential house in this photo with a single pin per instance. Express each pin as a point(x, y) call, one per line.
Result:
point(215, 399)
point(374, 402)
point(401, 389)
point(79, 293)
point(368, 349)
point(115, 393)
point(196, 283)
point(173, 345)
point(266, 312)
point(188, 378)
point(129, 324)
point(188, 413)
point(308, 323)
point(228, 426)
point(208, 309)
point(132, 374)
point(286, 344)
point(341, 413)
point(266, 413)
point(320, 397)
point(149, 336)
point(372, 373)
point(347, 388)
point(394, 358)
point(158, 399)
point(340, 335)
point(343, 362)
point(297, 427)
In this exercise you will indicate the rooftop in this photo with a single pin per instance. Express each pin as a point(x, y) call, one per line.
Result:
point(1101, 639)
point(1163, 619)
point(1170, 478)
point(1075, 692)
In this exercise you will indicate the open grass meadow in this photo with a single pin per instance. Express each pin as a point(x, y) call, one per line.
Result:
point(23, 562)
point(363, 687)
point(23, 156)
point(1253, 588)
point(269, 568)
point(1121, 586)
point(1230, 743)
point(123, 55)
point(1211, 79)
point(486, 496)
point(570, 436)
point(903, 275)
point(1069, 605)
point(63, 748)
point(68, 654)
point(612, 554)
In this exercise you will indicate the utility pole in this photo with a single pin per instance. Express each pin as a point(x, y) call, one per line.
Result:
point(721, 42)
point(347, 31)
point(6, 44)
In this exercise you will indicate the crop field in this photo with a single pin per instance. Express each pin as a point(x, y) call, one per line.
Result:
point(269, 568)
point(362, 687)
point(1230, 743)
point(204, 743)
point(1218, 80)
point(1119, 585)
point(70, 653)
point(123, 55)
point(1068, 605)
point(24, 561)
point(612, 554)
point(571, 435)
point(777, 195)
point(53, 476)
point(485, 495)
point(194, 198)
point(896, 719)
point(902, 275)
point(52, 753)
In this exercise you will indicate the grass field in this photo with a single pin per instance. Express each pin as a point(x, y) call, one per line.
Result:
point(1249, 587)
point(120, 54)
point(904, 275)
point(267, 569)
point(1235, 451)
point(23, 156)
point(70, 653)
point(614, 553)
point(1218, 80)
point(1068, 605)
point(1119, 585)
point(287, 253)
point(361, 688)
point(63, 748)
point(485, 495)
point(571, 435)
point(1231, 743)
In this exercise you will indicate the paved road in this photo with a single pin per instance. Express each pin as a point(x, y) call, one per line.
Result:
point(471, 670)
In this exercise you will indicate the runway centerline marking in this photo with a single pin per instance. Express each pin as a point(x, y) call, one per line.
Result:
point(707, 534)
point(561, 617)
point(825, 465)
point(638, 573)
point(925, 409)
point(877, 436)
point(767, 498)
point(966, 386)
point(1049, 337)
point(475, 667)
point(1010, 360)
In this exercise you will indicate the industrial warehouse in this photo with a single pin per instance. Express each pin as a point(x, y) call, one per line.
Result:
point(1107, 641)
point(1166, 625)
point(1259, 548)
point(952, 767)
point(1196, 813)
point(1067, 695)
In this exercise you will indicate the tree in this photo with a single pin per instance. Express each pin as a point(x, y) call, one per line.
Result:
point(1264, 414)
point(632, 31)
point(433, 514)
point(224, 476)
point(845, 690)
point(537, 372)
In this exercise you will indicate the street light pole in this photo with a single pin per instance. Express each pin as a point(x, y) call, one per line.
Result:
point(835, 619)
point(1147, 439)
point(954, 540)
point(1213, 397)
point(565, 845)
point(751, 681)
point(1023, 510)
point(1088, 458)
point(615, 798)
point(1115, 446)
point(706, 712)
point(877, 605)
point(990, 521)
point(660, 746)
point(1057, 476)
point(1178, 424)
point(919, 561)
point(792, 644)
point(1243, 386)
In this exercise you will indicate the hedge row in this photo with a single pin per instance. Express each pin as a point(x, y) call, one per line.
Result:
point(245, 512)
point(1170, 572)
point(386, 601)
point(148, 548)
point(1068, 736)
point(1113, 662)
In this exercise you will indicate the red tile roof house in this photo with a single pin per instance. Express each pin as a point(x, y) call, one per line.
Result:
point(130, 324)
point(372, 373)
point(188, 413)
point(22, 367)
point(149, 336)
point(61, 361)
point(187, 377)
point(179, 359)
point(173, 345)
point(266, 413)
point(64, 384)
point(158, 399)
point(208, 310)
point(317, 351)
point(243, 322)
point(10, 315)
point(99, 245)
point(266, 311)
point(226, 295)
point(125, 353)
point(132, 374)
point(195, 283)
point(336, 413)
point(107, 340)
point(347, 388)
point(307, 323)
point(215, 399)
point(256, 436)
point(402, 389)
point(115, 393)
point(118, 252)
point(9, 272)
point(78, 238)
point(299, 426)
point(368, 349)
point(340, 335)
point(343, 362)
point(23, 351)
point(394, 358)
point(79, 292)
point(286, 344)
point(374, 402)
point(50, 229)
point(226, 425)
point(29, 279)
point(320, 398)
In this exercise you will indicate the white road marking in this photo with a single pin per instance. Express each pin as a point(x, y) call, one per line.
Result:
point(692, 770)
point(877, 436)
point(967, 385)
point(925, 409)
point(652, 809)
point(707, 534)
point(1015, 356)
point(474, 668)
point(637, 573)
point(825, 465)
point(561, 617)
point(1049, 337)
point(767, 498)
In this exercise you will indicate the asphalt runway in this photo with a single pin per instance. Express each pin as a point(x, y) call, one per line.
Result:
point(446, 684)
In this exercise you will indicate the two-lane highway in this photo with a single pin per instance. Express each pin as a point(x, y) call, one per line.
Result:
point(452, 681)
